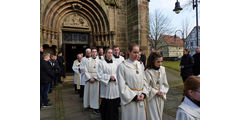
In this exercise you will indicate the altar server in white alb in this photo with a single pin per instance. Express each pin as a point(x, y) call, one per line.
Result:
point(116, 55)
point(76, 69)
point(109, 87)
point(132, 86)
point(85, 59)
point(91, 90)
point(190, 107)
point(157, 86)
point(100, 53)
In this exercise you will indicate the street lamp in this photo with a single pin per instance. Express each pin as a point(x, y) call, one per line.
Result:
point(177, 9)
point(175, 36)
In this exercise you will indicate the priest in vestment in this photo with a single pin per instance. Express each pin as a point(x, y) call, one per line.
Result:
point(83, 70)
point(76, 69)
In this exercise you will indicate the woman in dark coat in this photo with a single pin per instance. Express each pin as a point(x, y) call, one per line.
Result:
point(46, 76)
point(186, 64)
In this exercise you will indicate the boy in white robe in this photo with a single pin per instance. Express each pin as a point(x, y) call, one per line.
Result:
point(91, 90)
point(83, 70)
point(100, 53)
point(190, 107)
point(116, 55)
point(157, 86)
point(132, 87)
point(76, 69)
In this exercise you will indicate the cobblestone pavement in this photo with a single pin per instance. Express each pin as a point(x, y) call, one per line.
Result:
point(174, 95)
point(67, 105)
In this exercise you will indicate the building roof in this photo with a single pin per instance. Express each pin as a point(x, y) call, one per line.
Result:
point(192, 31)
point(171, 41)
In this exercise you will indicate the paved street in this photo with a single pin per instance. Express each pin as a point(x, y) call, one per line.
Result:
point(68, 106)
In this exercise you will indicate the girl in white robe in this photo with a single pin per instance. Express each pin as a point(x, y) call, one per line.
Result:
point(157, 86)
point(109, 88)
point(190, 107)
point(132, 87)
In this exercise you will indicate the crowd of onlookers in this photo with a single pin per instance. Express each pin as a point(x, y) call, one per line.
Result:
point(190, 65)
point(51, 71)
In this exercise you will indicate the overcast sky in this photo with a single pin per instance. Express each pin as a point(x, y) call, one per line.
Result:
point(167, 7)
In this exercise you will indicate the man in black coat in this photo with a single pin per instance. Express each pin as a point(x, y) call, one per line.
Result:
point(142, 57)
point(41, 53)
point(61, 64)
point(186, 64)
point(196, 65)
point(46, 76)
point(56, 69)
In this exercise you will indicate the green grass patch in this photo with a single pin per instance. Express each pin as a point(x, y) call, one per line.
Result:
point(172, 64)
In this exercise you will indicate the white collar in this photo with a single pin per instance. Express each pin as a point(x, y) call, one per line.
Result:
point(189, 107)
point(132, 62)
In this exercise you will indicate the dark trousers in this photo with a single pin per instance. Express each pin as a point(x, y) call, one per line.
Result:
point(55, 80)
point(81, 91)
point(184, 78)
point(109, 109)
point(44, 89)
point(59, 78)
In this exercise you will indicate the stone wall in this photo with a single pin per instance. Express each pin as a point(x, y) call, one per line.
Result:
point(138, 23)
point(127, 19)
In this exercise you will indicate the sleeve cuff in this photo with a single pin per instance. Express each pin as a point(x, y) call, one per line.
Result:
point(135, 98)
point(144, 95)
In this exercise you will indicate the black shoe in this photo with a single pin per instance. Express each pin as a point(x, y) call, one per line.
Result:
point(96, 111)
point(48, 105)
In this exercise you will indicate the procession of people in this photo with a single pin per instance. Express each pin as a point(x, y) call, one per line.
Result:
point(108, 82)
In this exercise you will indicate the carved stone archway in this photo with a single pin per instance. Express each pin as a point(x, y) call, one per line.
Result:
point(76, 15)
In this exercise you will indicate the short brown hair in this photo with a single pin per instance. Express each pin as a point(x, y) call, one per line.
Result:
point(191, 83)
point(130, 47)
point(115, 46)
point(188, 50)
point(93, 48)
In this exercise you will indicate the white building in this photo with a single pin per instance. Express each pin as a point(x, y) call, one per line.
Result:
point(191, 40)
point(171, 48)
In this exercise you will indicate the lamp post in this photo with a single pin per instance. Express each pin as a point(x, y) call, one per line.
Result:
point(177, 9)
point(175, 36)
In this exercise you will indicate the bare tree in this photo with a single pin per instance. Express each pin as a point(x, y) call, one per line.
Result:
point(186, 27)
point(188, 5)
point(159, 24)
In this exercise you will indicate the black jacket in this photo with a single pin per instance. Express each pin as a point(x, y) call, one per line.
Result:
point(143, 58)
point(60, 61)
point(41, 56)
point(187, 62)
point(196, 65)
point(46, 72)
point(56, 68)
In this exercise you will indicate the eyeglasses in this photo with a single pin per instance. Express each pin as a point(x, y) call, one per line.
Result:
point(197, 91)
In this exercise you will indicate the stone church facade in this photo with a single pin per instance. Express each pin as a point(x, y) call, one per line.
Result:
point(73, 25)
